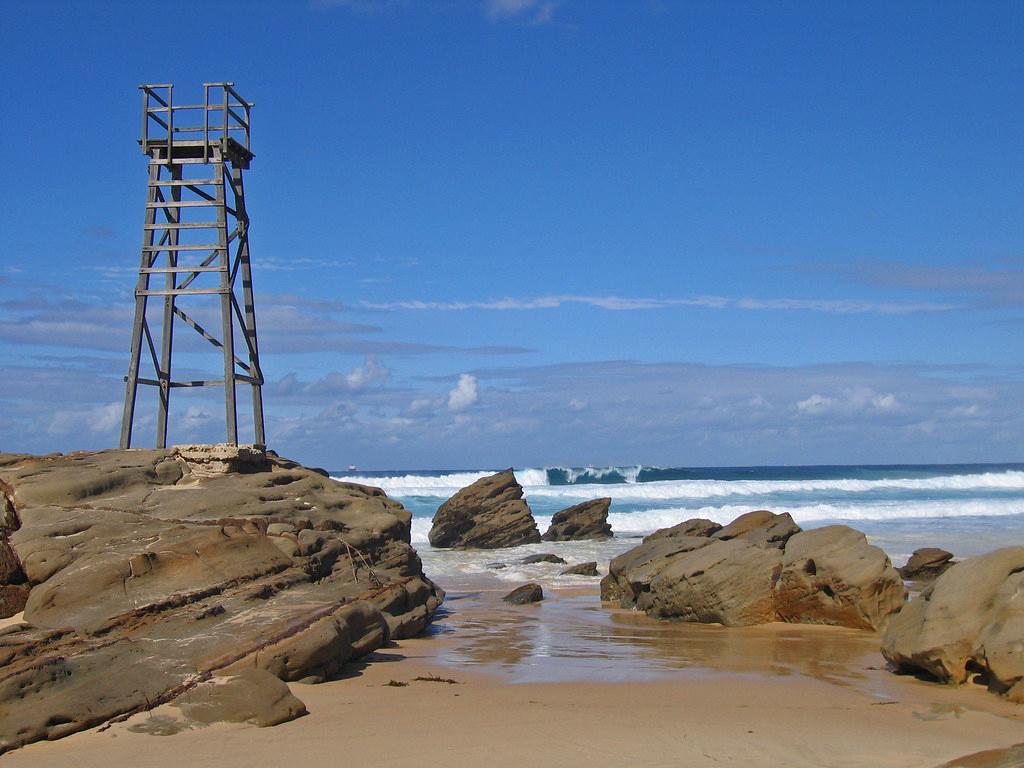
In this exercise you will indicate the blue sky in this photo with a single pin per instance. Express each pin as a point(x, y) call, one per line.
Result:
point(493, 232)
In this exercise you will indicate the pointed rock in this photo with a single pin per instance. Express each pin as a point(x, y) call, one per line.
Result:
point(489, 514)
point(588, 520)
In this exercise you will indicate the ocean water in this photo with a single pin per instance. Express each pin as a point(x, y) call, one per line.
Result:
point(968, 509)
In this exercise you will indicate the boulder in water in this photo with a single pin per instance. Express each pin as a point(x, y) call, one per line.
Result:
point(583, 569)
point(489, 514)
point(544, 557)
point(528, 593)
point(579, 522)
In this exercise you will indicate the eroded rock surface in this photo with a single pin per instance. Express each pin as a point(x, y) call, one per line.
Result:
point(832, 575)
point(757, 569)
point(579, 522)
point(760, 527)
point(697, 526)
point(969, 621)
point(155, 572)
point(489, 514)
point(725, 582)
point(13, 583)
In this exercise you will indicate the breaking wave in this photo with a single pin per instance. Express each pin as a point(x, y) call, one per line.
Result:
point(622, 484)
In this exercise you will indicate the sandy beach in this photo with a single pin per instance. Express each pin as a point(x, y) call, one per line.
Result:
point(572, 682)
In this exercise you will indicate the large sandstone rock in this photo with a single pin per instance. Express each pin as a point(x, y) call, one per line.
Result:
point(631, 573)
point(725, 582)
point(489, 514)
point(926, 563)
point(759, 568)
point(697, 526)
point(588, 520)
point(153, 571)
point(760, 527)
point(970, 620)
point(832, 575)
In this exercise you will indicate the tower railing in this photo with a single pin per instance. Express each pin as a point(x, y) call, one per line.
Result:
point(166, 124)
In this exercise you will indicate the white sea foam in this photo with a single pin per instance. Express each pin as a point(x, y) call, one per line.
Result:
point(643, 522)
point(703, 489)
point(535, 483)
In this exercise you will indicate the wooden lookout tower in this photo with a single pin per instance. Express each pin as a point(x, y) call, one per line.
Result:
point(195, 252)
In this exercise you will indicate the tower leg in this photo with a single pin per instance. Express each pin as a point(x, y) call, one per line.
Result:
point(226, 318)
point(138, 326)
point(249, 309)
point(173, 215)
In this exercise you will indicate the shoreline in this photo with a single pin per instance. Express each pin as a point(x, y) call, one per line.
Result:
point(735, 696)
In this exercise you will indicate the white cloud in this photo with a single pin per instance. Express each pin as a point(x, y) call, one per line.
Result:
point(464, 394)
point(850, 401)
point(195, 418)
point(536, 11)
point(815, 404)
point(577, 405)
point(372, 371)
point(887, 402)
point(626, 303)
point(96, 420)
point(966, 411)
point(423, 404)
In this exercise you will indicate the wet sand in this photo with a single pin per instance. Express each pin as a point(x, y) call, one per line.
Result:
point(570, 682)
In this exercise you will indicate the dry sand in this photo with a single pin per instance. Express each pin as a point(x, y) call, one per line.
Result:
point(629, 692)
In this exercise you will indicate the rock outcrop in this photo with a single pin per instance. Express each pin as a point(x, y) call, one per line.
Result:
point(588, 520)
point(13, 584)
point(759, 568)
point(926, 564)
point(489, 514)
point(252, 696)
point(153, 572)
point(969, 621)
point(528, 593)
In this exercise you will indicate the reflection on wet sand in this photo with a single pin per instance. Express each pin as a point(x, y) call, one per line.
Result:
point(575, 637)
